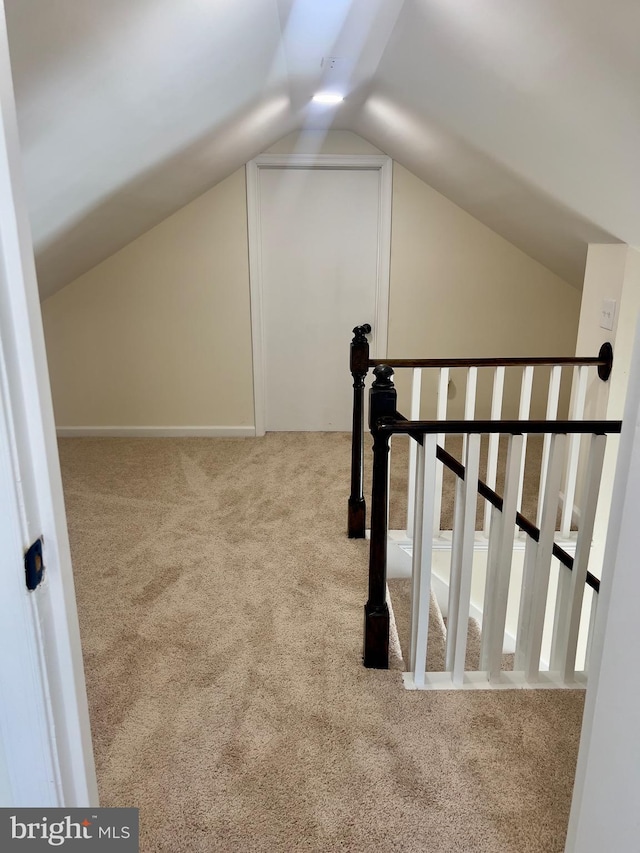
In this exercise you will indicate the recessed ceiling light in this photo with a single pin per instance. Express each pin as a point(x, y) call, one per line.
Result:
point(328, 98)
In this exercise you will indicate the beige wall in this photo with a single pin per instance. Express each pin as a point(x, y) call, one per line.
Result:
point(458, 289)
point(159, 334)
point(613, 272)
point(603, 279)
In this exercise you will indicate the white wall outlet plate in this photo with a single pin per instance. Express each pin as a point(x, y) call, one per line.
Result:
point(607, 314)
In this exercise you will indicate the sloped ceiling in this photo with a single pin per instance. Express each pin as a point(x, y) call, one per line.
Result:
point(524, 112)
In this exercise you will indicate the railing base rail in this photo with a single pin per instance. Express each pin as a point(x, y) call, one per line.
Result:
point(479, 680)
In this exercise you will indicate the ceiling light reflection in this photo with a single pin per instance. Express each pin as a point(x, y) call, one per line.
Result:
point(328, 98)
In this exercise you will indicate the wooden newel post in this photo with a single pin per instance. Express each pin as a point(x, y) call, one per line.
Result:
point(382, 404)
point(359, 366)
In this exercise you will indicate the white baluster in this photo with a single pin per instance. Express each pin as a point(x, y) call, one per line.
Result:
point(443, 394)
point(538, 598)
point(491, 578)
point(422, 551)
point(573, 456)
point(494, 441)
point(593, 611)
point(457, 539)
point(461, 571)
point(524, 409)
point(470, 401)
point(414, 415)
point(526, 603)
point(470, 395)
point(441, 415)
point(567, 630)
point(560, 617)
point(499, 567)
point(553, 397)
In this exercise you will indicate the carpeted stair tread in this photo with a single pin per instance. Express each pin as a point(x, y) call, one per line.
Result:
point(400, 596)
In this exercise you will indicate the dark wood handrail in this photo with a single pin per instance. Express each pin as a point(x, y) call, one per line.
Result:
point(603, 361)
point(402, 425)
point(484, 362)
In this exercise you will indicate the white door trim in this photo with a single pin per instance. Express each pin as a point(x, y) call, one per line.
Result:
point(44, 721)
point(371, 162)
point(31, 770)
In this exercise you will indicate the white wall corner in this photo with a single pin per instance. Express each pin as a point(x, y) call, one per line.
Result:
point(604, 812)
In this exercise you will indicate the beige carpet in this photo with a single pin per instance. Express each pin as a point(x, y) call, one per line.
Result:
point(220, 605)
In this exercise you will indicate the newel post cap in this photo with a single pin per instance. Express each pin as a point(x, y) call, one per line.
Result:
point(383, 376)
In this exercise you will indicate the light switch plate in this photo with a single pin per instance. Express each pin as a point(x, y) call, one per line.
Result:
point(607, 314)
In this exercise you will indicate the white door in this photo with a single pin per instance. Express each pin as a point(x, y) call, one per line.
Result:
point(319, 249)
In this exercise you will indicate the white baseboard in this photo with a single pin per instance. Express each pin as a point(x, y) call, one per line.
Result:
point(156, 432)
point(507, 681)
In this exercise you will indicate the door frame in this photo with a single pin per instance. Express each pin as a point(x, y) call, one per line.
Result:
point(360, 162)
point(46, 756)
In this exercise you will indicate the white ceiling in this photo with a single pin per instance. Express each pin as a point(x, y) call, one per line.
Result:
point(524, 112)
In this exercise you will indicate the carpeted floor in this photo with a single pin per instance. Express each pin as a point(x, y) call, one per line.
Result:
point(220, 604)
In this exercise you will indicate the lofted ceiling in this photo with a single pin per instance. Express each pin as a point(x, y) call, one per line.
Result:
point(526, 113)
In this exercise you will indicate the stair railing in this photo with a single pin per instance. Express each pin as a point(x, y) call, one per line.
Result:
point(541, 548)
point(360, 363)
